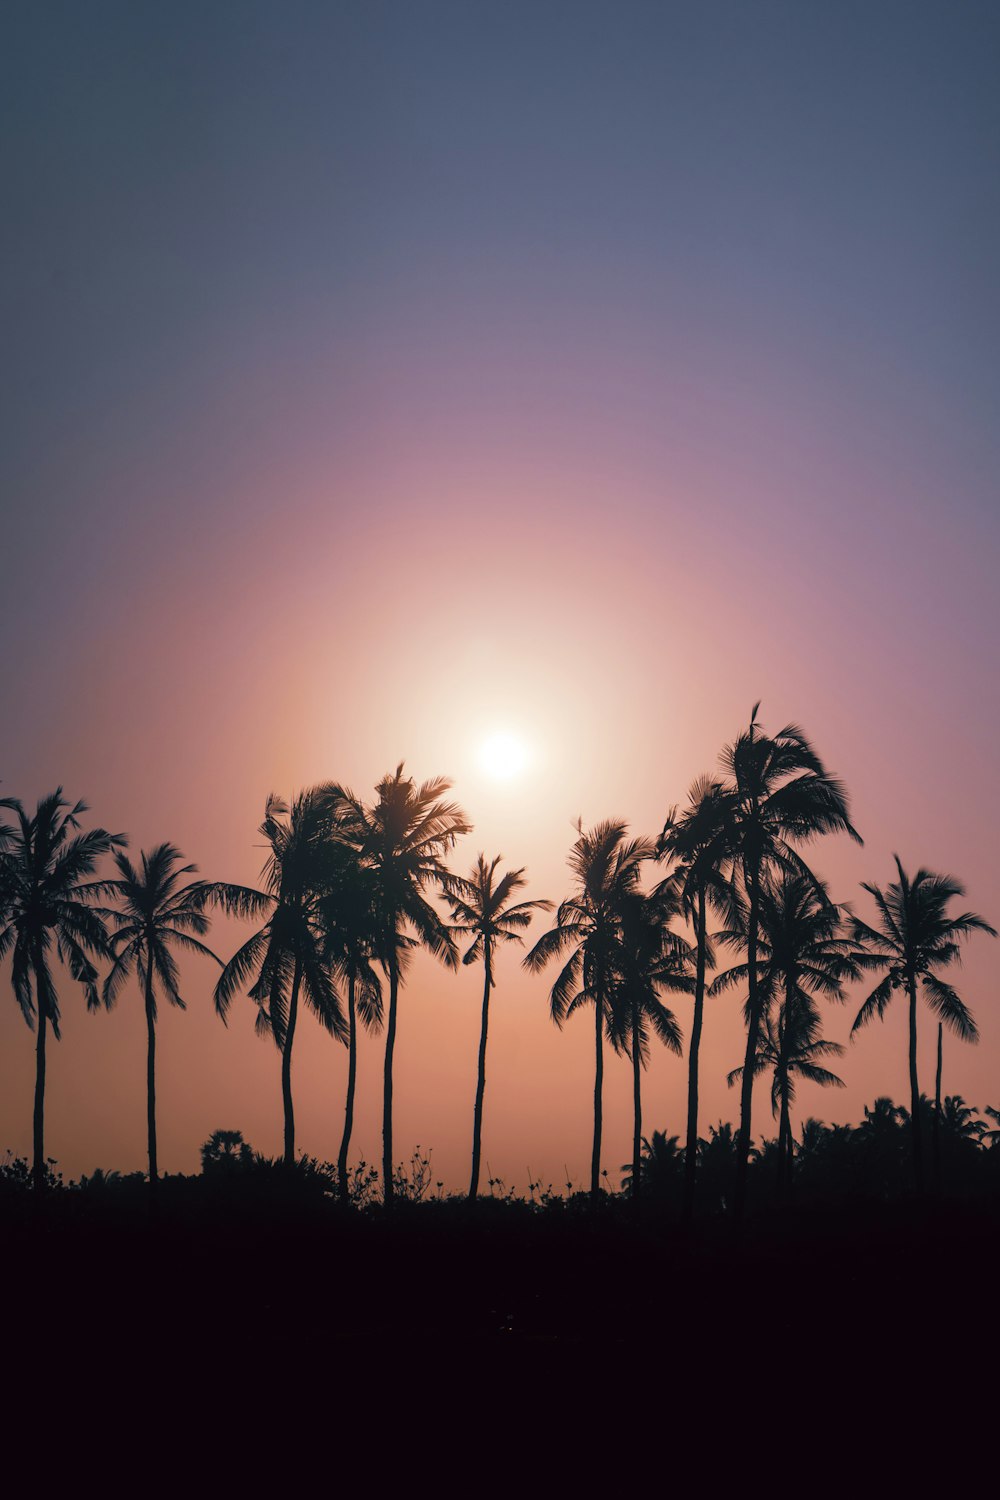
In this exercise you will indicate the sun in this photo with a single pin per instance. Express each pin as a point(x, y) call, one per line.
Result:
point(503, 755)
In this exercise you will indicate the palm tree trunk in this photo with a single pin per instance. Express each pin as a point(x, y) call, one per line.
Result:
point(150, 1082)
point(750, 1057)
point(918, 1165)
point(785, 1124)
point(390, 1044)
point(286, 1067)
point(691, 1151)
point(937, 1110)
point(352, 1075)
point(636, 1105)
point(785, 1142)
point(38, 1117)
point(477, 1119)
point(595, 1160)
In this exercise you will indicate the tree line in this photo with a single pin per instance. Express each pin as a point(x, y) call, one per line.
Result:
point(350, 889)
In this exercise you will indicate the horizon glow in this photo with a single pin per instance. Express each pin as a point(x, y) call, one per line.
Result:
point(374, 385)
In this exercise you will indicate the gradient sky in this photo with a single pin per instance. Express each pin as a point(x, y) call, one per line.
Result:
point(374, 375)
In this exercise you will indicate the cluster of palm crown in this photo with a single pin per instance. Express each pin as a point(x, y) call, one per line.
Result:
point(345, 898)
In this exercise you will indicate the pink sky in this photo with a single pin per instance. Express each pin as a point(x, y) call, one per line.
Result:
point(591, 372)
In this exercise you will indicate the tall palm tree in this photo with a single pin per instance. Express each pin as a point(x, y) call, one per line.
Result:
point(286, 959)
point(802, 957)
point(650, 958)
point(481, 909)
point(697, 843)
point(153, 914)
point(915, 937)
point(46, 906)
point(782, 795)
point(402, 838)
point(607, 868)
point(349, 916)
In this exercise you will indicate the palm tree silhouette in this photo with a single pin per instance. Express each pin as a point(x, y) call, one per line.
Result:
point(659, 1161)
point(801, 957)
point(791, 1046)
point(959, 1119)
point(650, 958)
point(46, 903)
point(225, 1150)
point(403, 838)
point(697, 843)
point(881, 1118)
point(915, 937)
point(286, 959)
point(993, 1136)
point(782, 795)
point(151, 916)
point(349, 916)
point(480, 908)
point(717, 1163)
point(607, 869)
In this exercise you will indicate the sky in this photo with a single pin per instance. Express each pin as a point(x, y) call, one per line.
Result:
point(378, 376)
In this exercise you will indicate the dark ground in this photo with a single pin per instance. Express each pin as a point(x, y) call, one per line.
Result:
point(263, 1342)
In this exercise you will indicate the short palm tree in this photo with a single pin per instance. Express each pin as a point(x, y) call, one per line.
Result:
point(286, 960)
point(650, 959)
point(481, 909)
point(697, 844)
point(790, 1045)
point(914, 939)
point(802, 957)
point(225, 1150)
point(959, 1119)
point(403, 838)
point(659, 1164)
point(153, 913)
point(607, 868)
point(782, 795)
point(46, 910)
point(992, 1136)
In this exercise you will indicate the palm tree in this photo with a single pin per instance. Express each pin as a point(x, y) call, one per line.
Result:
point(224, 1151)
point(658, 1165)
point(993, 1136)
point(606, 867)
point(914, 938)
point(44, 862)
point(349, 916)
point(286, 959)
point(959, 1120)
point(782, 795)
point(696, 842)
point(801, 957)
point(650, 958)
point(717, 1164)
point(153, 914)
point(791, 1046)
point(403, 838)
point(480, 908)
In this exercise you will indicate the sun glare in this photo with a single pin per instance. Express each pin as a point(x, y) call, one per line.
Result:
point(503, 755)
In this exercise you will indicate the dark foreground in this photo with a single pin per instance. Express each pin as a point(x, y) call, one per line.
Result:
point(273, 1336)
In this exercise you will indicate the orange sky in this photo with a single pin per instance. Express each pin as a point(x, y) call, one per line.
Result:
point(373, 380)
point(600, 668)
